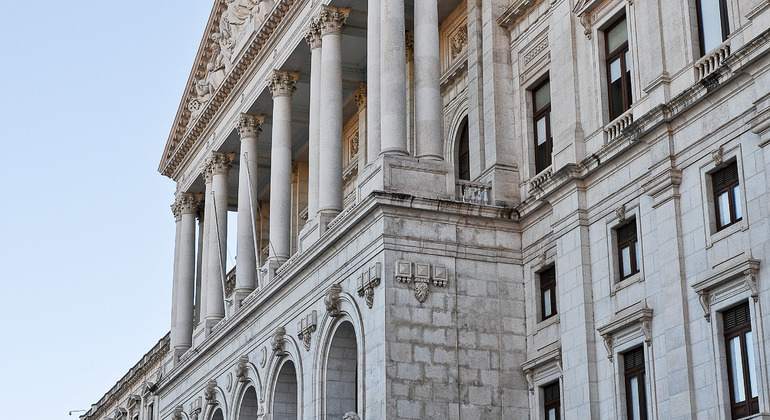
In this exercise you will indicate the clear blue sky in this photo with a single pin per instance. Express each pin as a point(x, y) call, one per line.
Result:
point(90, 91)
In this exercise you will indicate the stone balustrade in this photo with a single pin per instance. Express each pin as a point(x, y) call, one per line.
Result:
point(474, 192)
point(711, 61)
point(615, 128)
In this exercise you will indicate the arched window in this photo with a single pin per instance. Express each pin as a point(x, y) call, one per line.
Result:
point(463, 153)
point(218, 415)
point(249, 405)
point(342, 373)
point(285, 394)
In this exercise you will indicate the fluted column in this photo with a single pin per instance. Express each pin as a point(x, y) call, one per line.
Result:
point(313, 38)
point(393, 78)
point(332, 21)
point(185, 209)
point(427, 73)
point(373, 130)
point(217, 167)
point(249, 127)
point(282, 85)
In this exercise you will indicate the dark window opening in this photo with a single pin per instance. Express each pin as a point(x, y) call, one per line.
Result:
point(727, 196)
point(548, 292)
point(628, 250)
point(741, 370)
point(618, 68)
point(541, 100)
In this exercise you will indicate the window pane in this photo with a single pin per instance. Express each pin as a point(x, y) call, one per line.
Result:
point(551, 415)
point(711, 28)
point(615, 72)
point(542, 135)
point(738, 205)
point(543, 96)
point(628, 77)
point(634, 394)
point(616, 90)
point(636, 254)
point(547, 310)
point(736, 369)
point(626, 265)
point(724, 209)
point(618, 35)
point(752, 369)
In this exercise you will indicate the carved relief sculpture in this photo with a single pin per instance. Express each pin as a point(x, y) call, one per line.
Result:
point(276, 343)
point(306, 327)
point(210, 394)
point(367, 281)
point(241, 369)
point(332, 300)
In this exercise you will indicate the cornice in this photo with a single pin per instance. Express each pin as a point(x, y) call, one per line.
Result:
point(185, 132)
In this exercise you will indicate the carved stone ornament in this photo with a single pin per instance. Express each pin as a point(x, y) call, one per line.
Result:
point(530, 375)
point(186, 203)
point(620, 212)
point(459, 41)
point(283, 83)
point(351, 415)
point(353, 144)
point(250, 125)
point(306, 327)
point(367, 281)
point(313, 34)
point(242, 369)
point(210, 394)
point(332, 300)
point(218, 163)
point(263, 356)
point(422, 277)
point(332, 20)
point(718, 156)
point(178, 410)
point(196, 406)
point(276, 342)
point(360, 96)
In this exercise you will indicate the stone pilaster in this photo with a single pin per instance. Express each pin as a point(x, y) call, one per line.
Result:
point(249, 128)
point(282, 85)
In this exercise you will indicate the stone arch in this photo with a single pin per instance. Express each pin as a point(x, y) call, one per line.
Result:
point(291, 353)
point(452, 127)
point(341, 372)
point(217, 413)
point(285, 403)
point(252, 380)
point(350, 313)
point(247, 408)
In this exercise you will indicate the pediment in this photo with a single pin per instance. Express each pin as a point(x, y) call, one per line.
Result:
point(235, 34)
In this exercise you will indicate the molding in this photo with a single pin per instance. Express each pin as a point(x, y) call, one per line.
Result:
point(746, 270)
point(637, 315)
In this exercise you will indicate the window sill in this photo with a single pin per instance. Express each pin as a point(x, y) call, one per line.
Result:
point(636, 278)
point(547, 322)
point(718, 235)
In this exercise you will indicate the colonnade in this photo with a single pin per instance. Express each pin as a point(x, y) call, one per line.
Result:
point(386, 118)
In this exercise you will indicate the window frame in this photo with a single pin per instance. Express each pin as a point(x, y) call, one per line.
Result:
point(618, 53)
point(548, 285)
point(729, 188)
point(553, 403)
point(751, 404)
point(637, 372)
point(724, 20)
point(632, 242)
point(545, 111)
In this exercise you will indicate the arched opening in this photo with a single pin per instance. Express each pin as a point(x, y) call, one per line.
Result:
point(249, 405)
point(285, 397)
point(463, 152)
point(218, 415)
point(342, 373)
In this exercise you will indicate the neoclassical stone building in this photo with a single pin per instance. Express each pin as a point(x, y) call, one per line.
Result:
point(468, 209)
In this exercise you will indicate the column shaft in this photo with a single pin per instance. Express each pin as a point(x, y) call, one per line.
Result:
point(186, 206)
point(332, 21)
point(427, 73)
point(393, 78)
point(175, 285)
point(249, 127)
point(208, 217)
point(313, 37)
point(373, 81)
point(282, 86)
point(219, 166)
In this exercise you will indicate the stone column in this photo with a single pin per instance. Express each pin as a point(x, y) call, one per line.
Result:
point(313, 38)
point(427, 73)
point(373, 112)
point(208, 217)
point(199, 266)
point(359, 149)
point(175, 282)
point(249, 127)
point(332, 21)
point(185, 209)
point(393, 78)
point(217, 168)
point(282, 85)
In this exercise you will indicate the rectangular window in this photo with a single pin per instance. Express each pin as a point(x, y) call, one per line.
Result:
point(636, 400)
point(727, 196)
point(150, 411)
point(628, 250)
point(713, 26)
point(741, 371)
point(541, 100)
point(551, 401)
point(548, 292)
point(618, 68)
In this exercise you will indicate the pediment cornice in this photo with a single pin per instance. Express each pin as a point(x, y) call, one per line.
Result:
point(236, 32)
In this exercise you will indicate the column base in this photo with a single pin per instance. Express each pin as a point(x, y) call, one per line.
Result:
point(178, 352)
point(238, 296)
point(324, 217)
point(422, 178)
point(268, 270)
point(309, 234)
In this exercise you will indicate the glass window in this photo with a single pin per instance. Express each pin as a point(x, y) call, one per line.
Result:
point(713, 26)
point(463, 154)
point(541, 99)
point(636, 400)
point(628, 250)
point(727, 196)
point(741, 370)
point(548, 292)
point(551, 401)
point(618, 68)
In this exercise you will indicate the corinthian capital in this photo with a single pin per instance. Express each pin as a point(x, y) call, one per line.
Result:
point(250, 125)
point(283, 83)
point(187, 203)
point(313, 34)
point(332, 20)
point(217, 164)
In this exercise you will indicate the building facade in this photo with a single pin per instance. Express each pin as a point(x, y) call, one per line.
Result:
point(476, 209)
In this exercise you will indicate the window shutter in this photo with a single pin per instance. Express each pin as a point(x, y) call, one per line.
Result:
point(634, 358)
point(737, 316)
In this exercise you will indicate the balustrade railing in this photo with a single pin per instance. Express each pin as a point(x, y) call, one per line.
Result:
point(712, 61)
point(474, 192)
point(615, 128)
